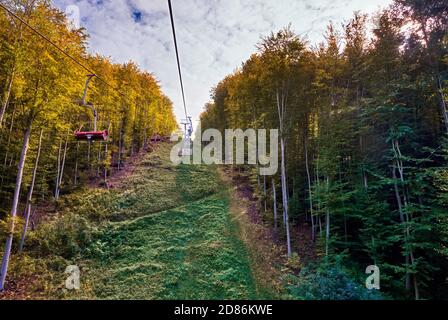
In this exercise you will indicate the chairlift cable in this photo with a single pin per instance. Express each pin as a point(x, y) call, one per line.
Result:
point(59, 48)
point(177, 58)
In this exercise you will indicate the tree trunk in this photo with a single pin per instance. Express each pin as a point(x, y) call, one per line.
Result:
point(281, 96)
point(58, 170)
point(310, 194)
point(25, 227)
point(120, 143)
point(365, 181)
point(327, 231)
point(105, 166)
point(15, 202)
point(343, 204)
point(274, 195)
point(30, 193)
point(88, 156)
point(442, 102)
point(61, 171)
point(10, 134)
point(265, 194)
point(402, 220)
point(373, 251)
point(98, 167)
point(75, 180)
point(7, 95)
point(320, 227)
point(134, 130)
point(319, 205)
point(327, 222)
point(63, 166)
point(284, 197)
point(404, 216)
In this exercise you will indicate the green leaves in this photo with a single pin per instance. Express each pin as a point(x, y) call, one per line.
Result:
point(399, 132)
point(364, 109)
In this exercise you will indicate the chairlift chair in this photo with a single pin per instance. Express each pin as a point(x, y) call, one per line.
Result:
point(92, 135)
point(95, 134)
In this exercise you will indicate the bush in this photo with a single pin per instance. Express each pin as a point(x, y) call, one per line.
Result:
point(331, 283)
point(5, 225)
point(66, 236)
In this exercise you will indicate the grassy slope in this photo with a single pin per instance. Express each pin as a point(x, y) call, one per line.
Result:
point(191, 250)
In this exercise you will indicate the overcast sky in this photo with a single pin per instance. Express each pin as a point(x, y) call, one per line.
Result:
point(214, 36)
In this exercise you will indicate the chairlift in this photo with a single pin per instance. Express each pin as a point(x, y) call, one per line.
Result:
point(188, 127)
point(93, 135)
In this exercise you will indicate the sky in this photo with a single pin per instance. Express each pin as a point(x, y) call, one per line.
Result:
point(214, 36)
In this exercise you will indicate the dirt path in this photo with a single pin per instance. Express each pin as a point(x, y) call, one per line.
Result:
point(267, 255)
point(262, 235)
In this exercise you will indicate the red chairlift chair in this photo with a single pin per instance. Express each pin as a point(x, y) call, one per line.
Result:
point(94, 135)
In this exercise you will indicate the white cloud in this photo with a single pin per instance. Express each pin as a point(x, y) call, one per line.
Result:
point(214, 37)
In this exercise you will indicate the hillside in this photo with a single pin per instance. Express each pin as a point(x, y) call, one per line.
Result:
point(163, 232)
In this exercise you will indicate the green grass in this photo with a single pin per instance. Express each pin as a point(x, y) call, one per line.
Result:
point(184, 253)
point(166, 233)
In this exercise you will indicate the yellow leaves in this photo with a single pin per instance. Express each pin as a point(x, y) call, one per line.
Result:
point(6, 226)
point(50, 82)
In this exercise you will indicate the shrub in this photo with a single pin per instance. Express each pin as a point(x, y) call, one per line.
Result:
point(331, 283)
point(5, 225)
point(66, 236)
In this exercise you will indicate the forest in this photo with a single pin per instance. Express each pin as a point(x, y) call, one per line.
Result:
point(363, 123)
point(362, 179)
point(39, 111)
